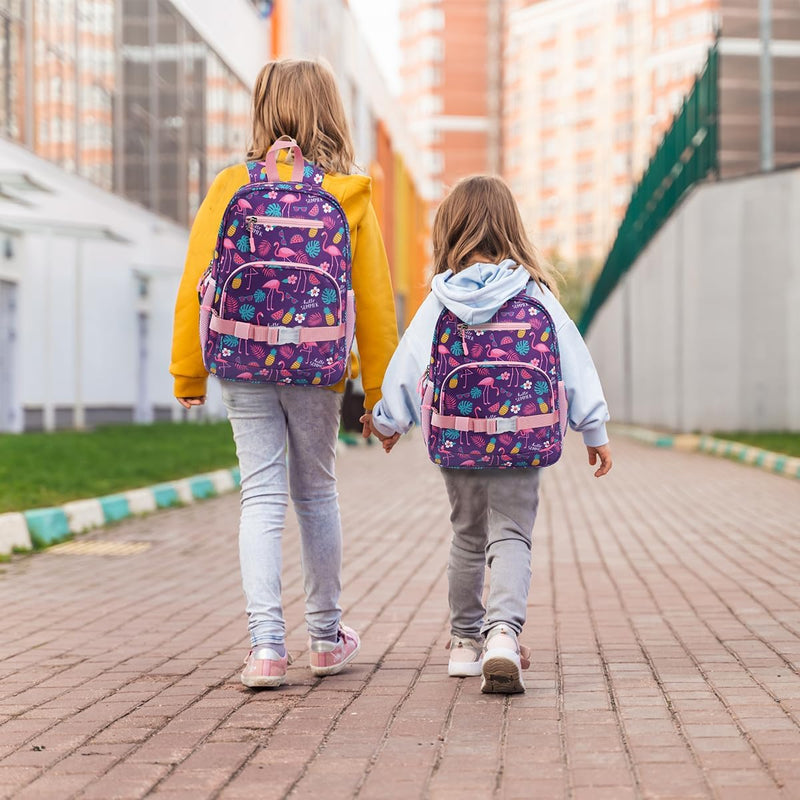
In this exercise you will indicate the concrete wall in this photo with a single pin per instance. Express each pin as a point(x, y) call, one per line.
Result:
point(703, 333)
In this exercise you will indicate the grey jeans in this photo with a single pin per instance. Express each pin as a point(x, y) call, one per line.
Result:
point(493, 513)
point(265, 419)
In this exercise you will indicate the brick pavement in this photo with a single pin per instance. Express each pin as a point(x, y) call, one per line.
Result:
point(663, 617)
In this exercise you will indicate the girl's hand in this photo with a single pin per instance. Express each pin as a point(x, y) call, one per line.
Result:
point(188, 402)
point(604, 454)
point(388, 442)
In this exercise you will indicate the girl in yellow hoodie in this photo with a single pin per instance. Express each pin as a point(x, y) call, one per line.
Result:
point(298, 99)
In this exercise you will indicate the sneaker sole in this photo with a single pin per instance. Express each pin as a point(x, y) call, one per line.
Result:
point(464, 670)
point(501, 675)
point(321, 672)
point(262, 682)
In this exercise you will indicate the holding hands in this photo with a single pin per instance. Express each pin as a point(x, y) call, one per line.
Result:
point(388, 442)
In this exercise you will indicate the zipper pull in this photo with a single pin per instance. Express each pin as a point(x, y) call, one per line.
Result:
point(461, 327)
point(250, 223)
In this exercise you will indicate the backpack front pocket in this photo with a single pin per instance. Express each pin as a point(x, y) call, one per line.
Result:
point(495, 413)
point(281, 322)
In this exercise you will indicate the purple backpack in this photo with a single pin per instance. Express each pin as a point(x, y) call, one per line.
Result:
point(276, 302)
point(493, 395)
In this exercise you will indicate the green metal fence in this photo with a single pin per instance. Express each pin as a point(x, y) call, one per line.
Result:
point(686, 155)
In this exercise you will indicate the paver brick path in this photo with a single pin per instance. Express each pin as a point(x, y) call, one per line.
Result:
point(664, 619)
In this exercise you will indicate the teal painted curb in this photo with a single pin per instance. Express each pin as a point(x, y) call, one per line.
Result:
point(115, 507)
point(47, 526)
point(202, 488)
point(165, 495)
point(777, 463)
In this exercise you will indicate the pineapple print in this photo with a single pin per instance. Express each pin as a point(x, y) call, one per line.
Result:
point(288, 316)
point(491, 444)
point(329, 318)
point(536, 461)
point(296, 363)
point(521, 333)
point(270, 359)
point(445, 335)
point(546, 334)
point(312, 233)
point(543, 407)
point(317, 379)
point(338, 236)
point(232, 227)
point(515, 449)
point(236, 283)
point(504, 408)
point(453, 382)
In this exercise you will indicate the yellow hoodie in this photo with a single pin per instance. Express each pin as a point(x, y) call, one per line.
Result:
point(376, 325)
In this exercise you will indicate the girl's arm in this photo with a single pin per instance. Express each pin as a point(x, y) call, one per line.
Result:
point(399, 408)
point(186, 364)
point(588, 411)
point(376, 321)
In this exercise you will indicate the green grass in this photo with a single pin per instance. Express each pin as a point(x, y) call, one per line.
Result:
point(46, 469)
point(788, 443)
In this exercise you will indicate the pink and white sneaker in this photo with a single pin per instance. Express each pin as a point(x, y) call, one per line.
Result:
point(327, 658)
point(264, 668)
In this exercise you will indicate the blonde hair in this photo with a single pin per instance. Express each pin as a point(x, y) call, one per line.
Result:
point(299, 98)
point(479, 220)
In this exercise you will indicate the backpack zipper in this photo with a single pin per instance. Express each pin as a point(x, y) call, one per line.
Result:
point(277, 222)
point(490, 326)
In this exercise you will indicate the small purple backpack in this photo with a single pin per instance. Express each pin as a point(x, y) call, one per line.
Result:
point(276, 302)
point(493, 395)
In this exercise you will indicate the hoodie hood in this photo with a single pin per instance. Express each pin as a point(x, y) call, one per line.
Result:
point(476, 293)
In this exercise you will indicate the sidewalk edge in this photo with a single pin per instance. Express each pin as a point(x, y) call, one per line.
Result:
point(777, 463)
point(22, 531)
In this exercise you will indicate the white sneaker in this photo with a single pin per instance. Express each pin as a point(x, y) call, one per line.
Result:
point(501, 672)
point(465, 657)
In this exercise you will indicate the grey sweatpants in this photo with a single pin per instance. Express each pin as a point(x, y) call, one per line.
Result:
point(493, 512)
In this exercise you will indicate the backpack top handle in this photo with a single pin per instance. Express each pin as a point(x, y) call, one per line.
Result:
point(271, 160)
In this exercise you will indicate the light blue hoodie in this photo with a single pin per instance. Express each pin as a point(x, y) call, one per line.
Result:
point(474, 295)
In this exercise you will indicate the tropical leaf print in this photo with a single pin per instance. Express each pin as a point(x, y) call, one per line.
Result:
point(529, 408)
point(308, 171)
point(476, 351)
point(475, 392)
point(328, 296)
point(286, 351)
point(231, 304)
point(301, 258)
point(451, 434)
point(273, 210)
point(243, 244)
point(259, 296)
point(315, 319)
point(258, 351)
point(263, 248)
point(230, 341)
point(522, 347)
point(313, 248)
point(247, 312)
point(541, 388)
point(449, 402)
point(465, 407)
point(457, 348)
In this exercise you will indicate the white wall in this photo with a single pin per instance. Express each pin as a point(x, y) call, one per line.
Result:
point(703, 333)
point(63, 333)
point(234, 28)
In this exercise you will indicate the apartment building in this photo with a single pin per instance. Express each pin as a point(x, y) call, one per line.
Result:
point(589, 88)
point(451, 57)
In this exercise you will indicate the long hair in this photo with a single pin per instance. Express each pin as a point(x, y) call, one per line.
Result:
point(299, 98)
point(479, 220)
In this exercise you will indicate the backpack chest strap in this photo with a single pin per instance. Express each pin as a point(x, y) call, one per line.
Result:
point(276, 334)
point(492, 425)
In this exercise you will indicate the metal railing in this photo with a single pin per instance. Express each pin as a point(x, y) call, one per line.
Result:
point(686, 155)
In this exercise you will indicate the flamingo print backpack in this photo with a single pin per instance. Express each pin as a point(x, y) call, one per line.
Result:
point(276, 302)
point(493, 395)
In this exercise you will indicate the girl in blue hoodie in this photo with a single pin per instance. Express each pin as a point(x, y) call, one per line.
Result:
point(482, 258)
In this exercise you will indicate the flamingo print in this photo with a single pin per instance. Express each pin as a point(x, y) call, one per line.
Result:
point(331, 249)
point(285, 252)
point(488, 387)
point(289, 200)
point(273, 285)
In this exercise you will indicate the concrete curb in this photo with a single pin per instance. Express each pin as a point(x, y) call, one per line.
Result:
point(42, 527)
point(778, 463)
